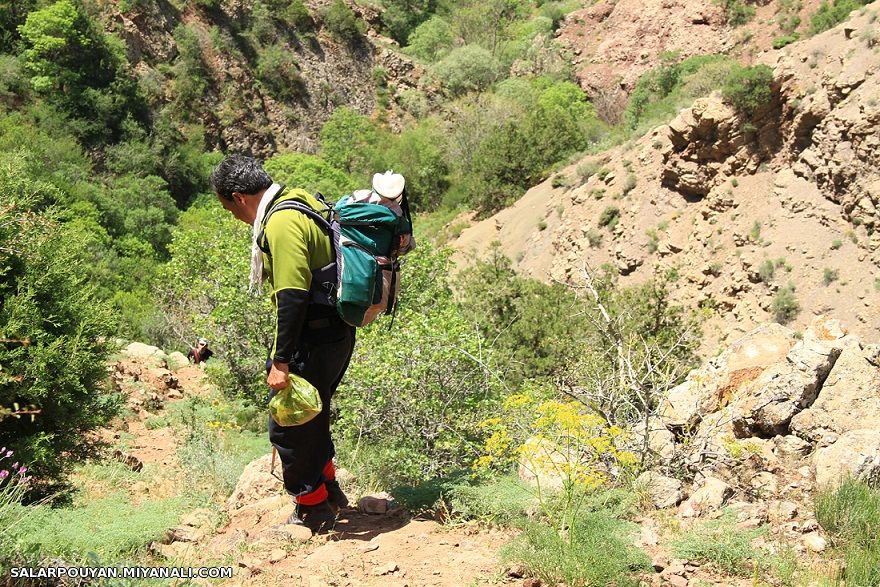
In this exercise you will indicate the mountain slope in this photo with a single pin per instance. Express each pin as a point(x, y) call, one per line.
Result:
point(739, 214)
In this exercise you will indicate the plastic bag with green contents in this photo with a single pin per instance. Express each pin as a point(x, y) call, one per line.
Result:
point(296, 404)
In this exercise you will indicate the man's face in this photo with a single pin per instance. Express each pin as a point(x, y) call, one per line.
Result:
point(236, 206)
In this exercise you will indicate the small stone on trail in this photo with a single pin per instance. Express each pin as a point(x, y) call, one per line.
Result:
point(815, 542)
point(374, 504)
point(517, 571)
point(385, 570)
point(277, 555)
point(532, 582)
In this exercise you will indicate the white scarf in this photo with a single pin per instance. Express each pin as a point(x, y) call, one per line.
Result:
point(258, 274)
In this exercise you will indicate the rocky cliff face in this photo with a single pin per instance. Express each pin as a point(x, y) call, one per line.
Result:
point(740, 211)
point(236, 110)
point(616, 41)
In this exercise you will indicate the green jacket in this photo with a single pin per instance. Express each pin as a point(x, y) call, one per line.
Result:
point(297, 246)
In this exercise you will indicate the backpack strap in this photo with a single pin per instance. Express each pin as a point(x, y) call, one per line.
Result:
point(325, 279)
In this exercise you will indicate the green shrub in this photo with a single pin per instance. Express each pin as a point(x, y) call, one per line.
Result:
point(416, 414)
point(594, 238)
point(766, 270)
point(431, 40)
point(780, 42)
point(349, 141)
point(609, 217)
point(830, 14)
point(401, 17)
point(829, 276)
point(720, 544)
point(279, 73)
point(749, 88)
point(629, 183)
point(467, 69)
point(785, 305)
point(418, 152)
point(342, 22)
point(653, 240)
point(47, 300)
point(836, 244)
point(738, 12)
point(311, 173)
point(597, 551)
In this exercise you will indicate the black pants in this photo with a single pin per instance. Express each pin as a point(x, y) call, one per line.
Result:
point(321, 358)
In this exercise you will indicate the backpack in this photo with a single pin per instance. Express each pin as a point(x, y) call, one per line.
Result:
point(367, 239)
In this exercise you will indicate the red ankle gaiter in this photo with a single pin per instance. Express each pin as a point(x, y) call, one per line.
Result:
point(313, 498)
point(329, 471)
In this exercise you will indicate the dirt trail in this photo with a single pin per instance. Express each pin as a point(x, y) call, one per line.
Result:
point(364, 550)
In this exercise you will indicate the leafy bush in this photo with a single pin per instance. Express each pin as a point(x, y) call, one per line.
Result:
point(785, 305)
point(830, 14)
point(415, 415)
point(829, 275)
point(609, 217)
point(511, 310)
point(75, 66)
point(418, 153)
point(662, 92)
point(738, 12)
point(780, 42)
point(48, 305)
point(279, 72)
point(403, 16)
point(431, 40)
point(467, 69)
point(342, 22)
point(311, 173)
point(597, 551)
point(350, 141)
point(749, 88)
point(766, 270)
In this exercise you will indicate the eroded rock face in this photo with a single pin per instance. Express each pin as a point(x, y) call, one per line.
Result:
point(255, 483)
point(712, 387)
point(664, 491)
point(850, 399)
point(766, 406)
point(707, 144)
point(855, 454)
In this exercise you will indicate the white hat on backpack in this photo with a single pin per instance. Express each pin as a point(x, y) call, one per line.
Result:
point(389, 184)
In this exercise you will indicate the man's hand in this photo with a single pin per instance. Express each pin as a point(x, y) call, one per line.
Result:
point(279, 376)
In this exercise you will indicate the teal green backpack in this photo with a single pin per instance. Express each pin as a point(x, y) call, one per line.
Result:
point(368, 240)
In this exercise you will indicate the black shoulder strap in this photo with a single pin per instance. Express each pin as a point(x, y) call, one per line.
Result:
point(293, 205)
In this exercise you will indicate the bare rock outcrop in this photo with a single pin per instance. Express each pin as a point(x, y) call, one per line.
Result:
point(856, 454)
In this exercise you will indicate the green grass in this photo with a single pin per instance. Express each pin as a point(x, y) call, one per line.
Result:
point(785, 305)
point(829, 276)
point(718, 543)
point(110, 526)
point(850, 515)
point(597, 551)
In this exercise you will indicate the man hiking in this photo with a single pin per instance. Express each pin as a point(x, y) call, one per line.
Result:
point(310, 338)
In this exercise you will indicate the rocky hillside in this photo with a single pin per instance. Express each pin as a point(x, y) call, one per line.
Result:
point(742, 211)
point(243, 53)
point(615, 42)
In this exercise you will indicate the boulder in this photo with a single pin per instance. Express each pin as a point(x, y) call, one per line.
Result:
point(664, 491)
point(255, 483)
point(766, 406)
point(176, 360)
point(144, 353)
point(849, 400)
point(855, 454)
point(710, 496)
point(660, 441)
point(712, 387)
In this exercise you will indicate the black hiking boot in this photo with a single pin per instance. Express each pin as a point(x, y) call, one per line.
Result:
point(335, 495)
point(317, 518)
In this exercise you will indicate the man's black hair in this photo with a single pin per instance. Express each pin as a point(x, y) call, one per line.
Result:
point(239, 173)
